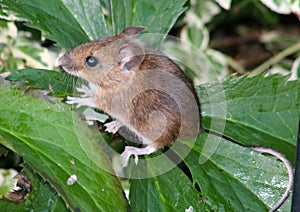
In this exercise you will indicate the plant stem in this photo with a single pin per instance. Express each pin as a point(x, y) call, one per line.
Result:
point(235, 65)
point(275, 59)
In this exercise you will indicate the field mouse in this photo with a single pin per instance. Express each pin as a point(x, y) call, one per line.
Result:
point(143, 91)
point(139, 87)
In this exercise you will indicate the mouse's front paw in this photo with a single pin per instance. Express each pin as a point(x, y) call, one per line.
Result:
point(86, 91)
point(74, 100)
point(113, 126)
point(81, 101)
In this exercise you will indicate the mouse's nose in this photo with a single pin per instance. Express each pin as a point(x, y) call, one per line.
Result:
point(67, 63)
point(62, 61)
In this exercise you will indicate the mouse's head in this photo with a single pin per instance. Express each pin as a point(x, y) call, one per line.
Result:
point(113, 57)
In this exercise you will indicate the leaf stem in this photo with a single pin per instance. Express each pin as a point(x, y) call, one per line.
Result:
point(275, 59)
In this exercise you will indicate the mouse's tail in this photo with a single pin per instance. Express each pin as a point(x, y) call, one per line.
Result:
point(289, 170)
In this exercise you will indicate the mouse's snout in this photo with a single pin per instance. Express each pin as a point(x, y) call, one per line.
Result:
point(61, 60)
point(67, 63)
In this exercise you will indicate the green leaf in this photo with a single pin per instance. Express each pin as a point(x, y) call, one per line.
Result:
point(89, 15)
point(257, 111)
point(71, 23)
point(42, 197)
point(6, 145)
point(202, 12)
point(283, 7)
point(56, 144)
point(243, 181)
point(158, 16)
point(172, 191)
point(52, 17)
point(196, 36)
point(60, 82)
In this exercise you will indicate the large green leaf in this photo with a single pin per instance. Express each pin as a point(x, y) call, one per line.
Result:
point(70, 23)
point(158, 16)
point(258, 111)
point(57, 145)
point(243, 181)
point(235, 178)
point(89, 15)
point(60, 82)
point(172, 191)
point(53, 18)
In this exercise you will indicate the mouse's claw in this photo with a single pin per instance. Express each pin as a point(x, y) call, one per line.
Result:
point(113, 126)
point(86, 91)
point(129, 150)
point(74, 100)
point(81, 101)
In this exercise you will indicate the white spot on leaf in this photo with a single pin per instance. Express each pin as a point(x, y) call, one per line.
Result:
point(72, 179)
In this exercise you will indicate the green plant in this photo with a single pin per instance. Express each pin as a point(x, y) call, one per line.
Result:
point(55, 143)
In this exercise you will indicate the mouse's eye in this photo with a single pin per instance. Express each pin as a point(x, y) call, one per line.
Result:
point(91, 61)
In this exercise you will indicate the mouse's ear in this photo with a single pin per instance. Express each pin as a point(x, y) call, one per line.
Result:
point(133, 30)
point(130, 56)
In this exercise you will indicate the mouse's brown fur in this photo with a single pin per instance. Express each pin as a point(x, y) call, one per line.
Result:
point(139, 86)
